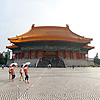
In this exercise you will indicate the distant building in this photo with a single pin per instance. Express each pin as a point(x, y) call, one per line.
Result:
point(8, 53)
point(51, 42)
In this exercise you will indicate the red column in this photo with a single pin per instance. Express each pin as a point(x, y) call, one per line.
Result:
point(58, 54)
point(43, 54)
point(21, 54)
point(35, 53)
point(84, 56)
point(72, 54)
point(65, 54)
point(79, 54)
point(28, 54)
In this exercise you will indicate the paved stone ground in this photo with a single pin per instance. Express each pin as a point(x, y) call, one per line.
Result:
point(52, 84)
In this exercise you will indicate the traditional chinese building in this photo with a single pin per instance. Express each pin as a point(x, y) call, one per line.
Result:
point(53, 42)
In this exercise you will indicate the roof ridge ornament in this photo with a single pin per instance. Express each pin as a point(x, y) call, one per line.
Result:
point(33, 25)
point(67, 26)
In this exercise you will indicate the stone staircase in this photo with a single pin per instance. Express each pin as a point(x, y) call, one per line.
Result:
point(55, 63)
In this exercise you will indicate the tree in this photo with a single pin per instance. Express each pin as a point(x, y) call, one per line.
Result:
point(96, 59)
point(3, 60)
point(6, 57)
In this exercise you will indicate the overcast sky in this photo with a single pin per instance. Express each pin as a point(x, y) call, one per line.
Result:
point(82, 16)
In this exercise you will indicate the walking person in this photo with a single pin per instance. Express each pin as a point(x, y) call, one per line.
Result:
point(21, 72)
point(26, 73)
point(13, 72)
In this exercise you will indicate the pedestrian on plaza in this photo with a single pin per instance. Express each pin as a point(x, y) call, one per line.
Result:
point(49, 65)
point(10, 73)
point(73, 66)
point(21, 72)
point(13, 72)
point(3, 66)
point(26, 73)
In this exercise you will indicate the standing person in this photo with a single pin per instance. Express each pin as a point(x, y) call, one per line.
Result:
point(10, 73)
point(21, 72)
point(13, 72)
point(49, 65)
point(73, 66)
point(26, 73)
point(3, 66)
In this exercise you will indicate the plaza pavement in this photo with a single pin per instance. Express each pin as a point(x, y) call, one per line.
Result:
point(52, 84)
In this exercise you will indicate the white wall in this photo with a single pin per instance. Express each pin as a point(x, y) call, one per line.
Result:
point(80, 62)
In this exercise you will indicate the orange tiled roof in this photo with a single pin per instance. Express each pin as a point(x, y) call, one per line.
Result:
point(11, 47)
point(88, 47)
point(49, 33)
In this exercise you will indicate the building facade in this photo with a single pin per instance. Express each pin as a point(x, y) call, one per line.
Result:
point(51, 42)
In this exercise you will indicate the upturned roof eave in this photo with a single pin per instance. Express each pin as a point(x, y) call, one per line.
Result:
point(11, 47)
point(88, 47)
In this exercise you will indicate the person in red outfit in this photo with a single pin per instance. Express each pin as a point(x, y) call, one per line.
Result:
point(26, 73)
point(13, 72)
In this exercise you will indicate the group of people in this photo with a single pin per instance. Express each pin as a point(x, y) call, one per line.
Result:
point(22, 69)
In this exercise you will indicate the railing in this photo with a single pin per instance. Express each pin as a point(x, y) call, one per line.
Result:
point(37, 62)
